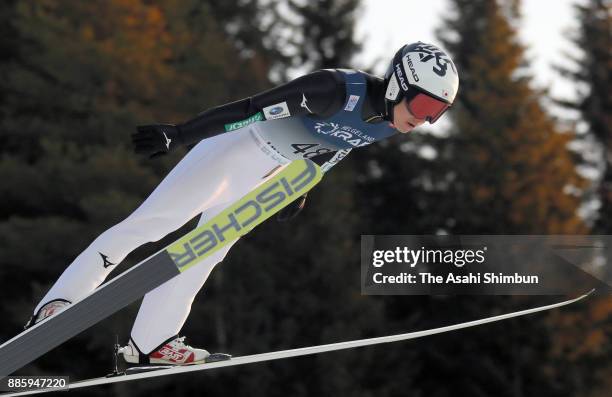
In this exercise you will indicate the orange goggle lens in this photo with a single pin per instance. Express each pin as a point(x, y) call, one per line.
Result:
point(427, 108)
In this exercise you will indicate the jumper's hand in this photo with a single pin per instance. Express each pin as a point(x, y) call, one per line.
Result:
point(290, 211)
point(156, 139)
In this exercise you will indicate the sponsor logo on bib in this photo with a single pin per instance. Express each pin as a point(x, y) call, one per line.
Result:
point(350, 135)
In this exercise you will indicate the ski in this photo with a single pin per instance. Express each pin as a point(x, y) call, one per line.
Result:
point(301, 351)
point(289, 183)
point(214, 357)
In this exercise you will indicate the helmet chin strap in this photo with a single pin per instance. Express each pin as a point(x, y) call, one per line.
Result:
point(389, 110)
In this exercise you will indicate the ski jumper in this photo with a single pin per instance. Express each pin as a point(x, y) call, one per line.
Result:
point(216, 172)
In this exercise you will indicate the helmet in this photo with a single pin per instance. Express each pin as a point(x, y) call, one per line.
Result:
point(424, 75)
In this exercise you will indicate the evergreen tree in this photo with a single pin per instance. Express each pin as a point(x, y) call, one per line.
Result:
point(512, 173)
point(592, 69)
point(76, 82)
point(582, 343)
point(320, 33)
point(512, 164)
point(255, 31)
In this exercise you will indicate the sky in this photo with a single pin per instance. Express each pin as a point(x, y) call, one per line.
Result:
point(386, 25)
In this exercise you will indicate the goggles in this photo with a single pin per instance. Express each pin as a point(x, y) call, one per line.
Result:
point(424, 107)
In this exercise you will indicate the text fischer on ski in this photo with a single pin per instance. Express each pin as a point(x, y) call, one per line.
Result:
point(321, 116)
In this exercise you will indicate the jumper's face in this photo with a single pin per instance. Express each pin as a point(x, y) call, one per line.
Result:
point(403, 120)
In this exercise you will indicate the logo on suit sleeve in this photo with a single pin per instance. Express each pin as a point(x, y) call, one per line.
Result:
point(304, 103)
point(276, 111)
point(351, 103)
point(168, 141)
point(105, 262)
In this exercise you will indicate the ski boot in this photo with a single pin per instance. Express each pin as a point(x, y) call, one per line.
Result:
point(172, 352)
point(48, 310)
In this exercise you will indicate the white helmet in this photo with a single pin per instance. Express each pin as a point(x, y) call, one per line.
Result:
point(425, 76)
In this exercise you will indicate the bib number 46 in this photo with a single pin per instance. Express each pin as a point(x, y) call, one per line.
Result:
point(309, 150)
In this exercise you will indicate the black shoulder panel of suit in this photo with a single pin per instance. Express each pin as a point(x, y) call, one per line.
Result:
point(321, 93)
point(374, 106)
